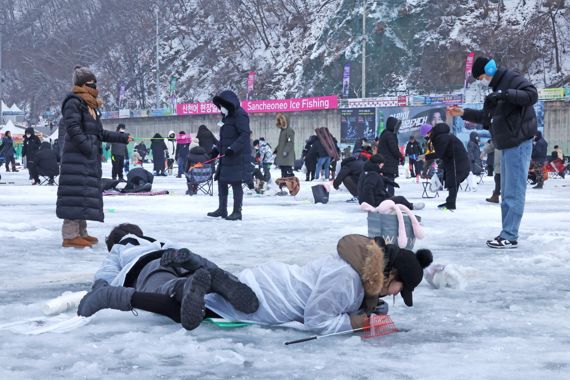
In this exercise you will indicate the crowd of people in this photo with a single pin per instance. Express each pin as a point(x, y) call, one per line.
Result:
point(141, 272)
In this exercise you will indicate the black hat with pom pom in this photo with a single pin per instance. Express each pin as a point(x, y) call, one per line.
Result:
point(410, 269)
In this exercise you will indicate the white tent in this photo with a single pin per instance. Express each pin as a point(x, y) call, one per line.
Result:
point(12, 128)
point(14, 109)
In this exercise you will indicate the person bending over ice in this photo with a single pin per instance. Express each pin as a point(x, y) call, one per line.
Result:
point(373, 186)
point(329, 294)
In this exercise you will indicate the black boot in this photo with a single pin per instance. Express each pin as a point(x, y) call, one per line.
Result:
point(222, 208)
point(193, 306)
point(224, 283)
point(237, 293)
point(184, 258)
point(104, 296)
point(235, 215)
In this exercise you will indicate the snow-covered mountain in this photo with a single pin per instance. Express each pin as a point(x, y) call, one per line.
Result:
point(296, 47)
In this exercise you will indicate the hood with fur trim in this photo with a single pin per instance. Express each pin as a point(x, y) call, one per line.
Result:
point(281, 121)
point(367, 259)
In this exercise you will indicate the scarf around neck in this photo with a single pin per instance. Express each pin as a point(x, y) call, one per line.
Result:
point(89, 95)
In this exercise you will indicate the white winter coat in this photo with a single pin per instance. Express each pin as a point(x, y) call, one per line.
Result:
point(317, 297)
point(123, 257)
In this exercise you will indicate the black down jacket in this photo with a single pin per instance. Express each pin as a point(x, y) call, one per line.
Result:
point(372, 186)
point(349, 167)
point(539, 148)
point(31, 144)
point(234, 134)
point(79, 193)
point(453, 154)
point(388, 147)
point(474, 153)
point(206, 138)
point(46, 161)
point(511, 120)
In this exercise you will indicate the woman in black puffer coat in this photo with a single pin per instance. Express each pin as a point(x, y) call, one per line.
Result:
point(158, 149)
point(235, 167)
point(456, 165)
point(79, 196)
point(388, 148)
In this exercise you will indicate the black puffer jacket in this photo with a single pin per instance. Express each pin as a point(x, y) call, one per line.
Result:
point(511, 120)
point(474, 153)
point(79, 194)
point(31, 144)
point(371, 185)
point(451, 150)
point(388, 147)
point(234, 134)
point(349, 167)
point(206, 138)
point(46, 161)
point(539, 149)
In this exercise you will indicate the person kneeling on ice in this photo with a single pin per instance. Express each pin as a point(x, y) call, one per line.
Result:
point(373, 186)
point(329, 294)
point(132, 276)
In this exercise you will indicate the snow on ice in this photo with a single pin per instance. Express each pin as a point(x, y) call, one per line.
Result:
point(507, 317)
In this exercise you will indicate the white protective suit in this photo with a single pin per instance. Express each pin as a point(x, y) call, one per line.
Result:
point(317, 296)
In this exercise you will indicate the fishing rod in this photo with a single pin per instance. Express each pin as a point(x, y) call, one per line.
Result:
point(385, 321)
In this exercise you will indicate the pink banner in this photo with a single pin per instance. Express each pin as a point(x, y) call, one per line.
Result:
point(263, 106)
point(469, 63)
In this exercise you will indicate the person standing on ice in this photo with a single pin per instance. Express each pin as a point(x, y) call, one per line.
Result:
point(329, 294)
point(452, 152)
point(538, 157)
point(285, 149)
point(508, 114)
point(388, 148)
point(235, 146)
point(79, 196)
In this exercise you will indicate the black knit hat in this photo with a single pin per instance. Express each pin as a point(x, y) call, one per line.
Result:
point(479, 67)
point(82, 75)
point(410, 269)
point(377, 159)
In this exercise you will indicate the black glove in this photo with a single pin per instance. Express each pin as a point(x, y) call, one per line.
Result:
point(229, 152)
point(495, 97)
point(214, 152)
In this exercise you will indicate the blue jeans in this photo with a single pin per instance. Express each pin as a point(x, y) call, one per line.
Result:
point(320, 162)
point(181, 165)
point(514, 171)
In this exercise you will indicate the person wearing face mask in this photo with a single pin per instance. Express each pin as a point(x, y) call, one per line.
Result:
point(509, 116)
point(31, 146)
point(234, 145)
point(79, 196)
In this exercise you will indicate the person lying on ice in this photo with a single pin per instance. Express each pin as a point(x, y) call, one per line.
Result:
point(132, 276)
point(330, 294)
